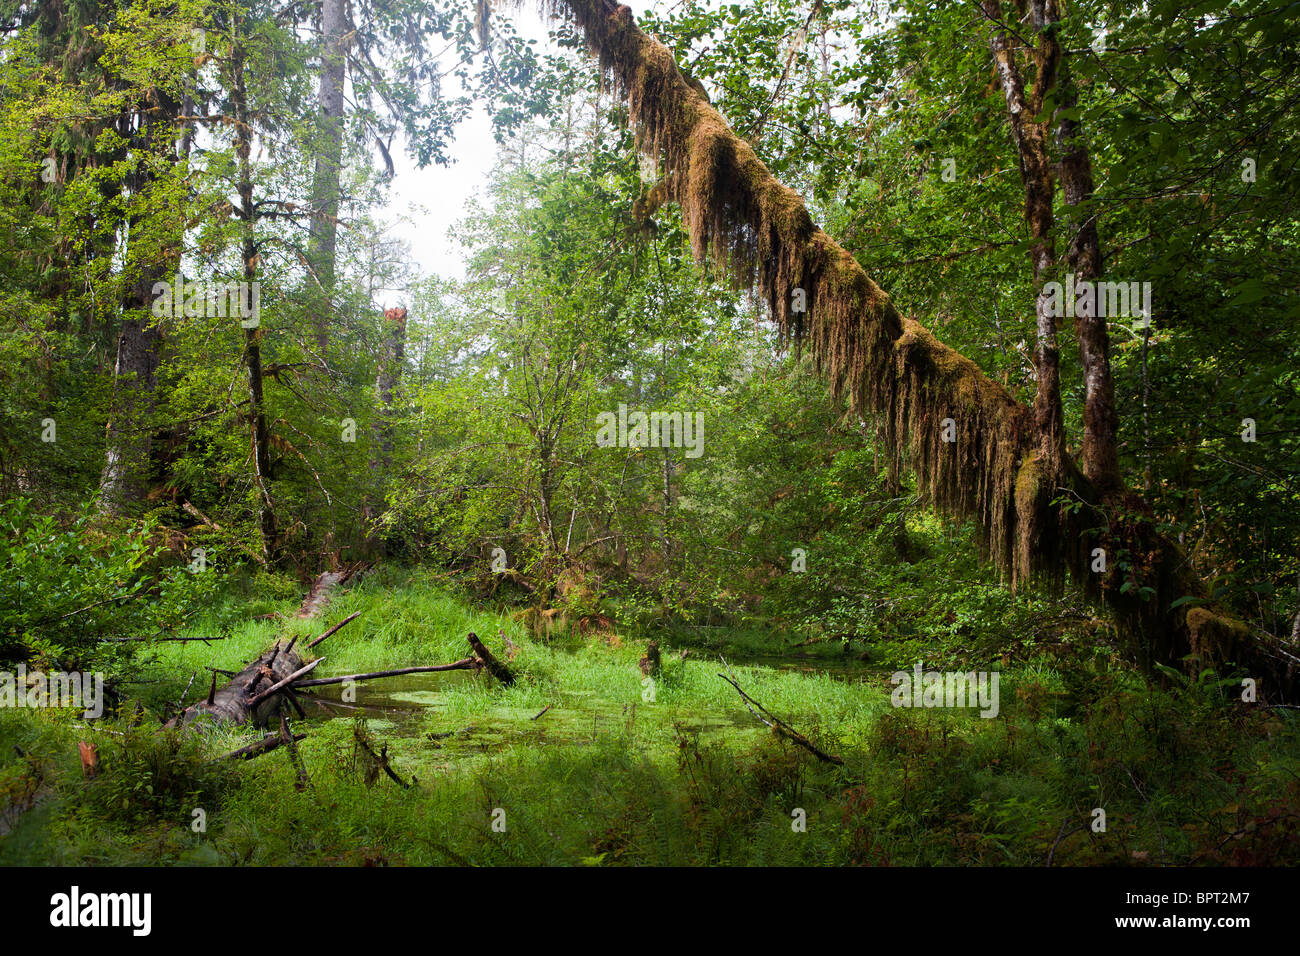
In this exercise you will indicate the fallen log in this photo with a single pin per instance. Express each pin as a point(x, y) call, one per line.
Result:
point(246, 700)
point(240, 701)
point(319, 594)
point(237, 702)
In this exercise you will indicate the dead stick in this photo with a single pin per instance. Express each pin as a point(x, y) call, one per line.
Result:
point(194, 512)
point(337, 627)
point(265, 745)
point(295, 758)
point(323, 702)
point(780, 727)
point(180, 704)
point(278, 685)
point(539, 713)
point(160, 639)
point(293, 699)
point(464, 664)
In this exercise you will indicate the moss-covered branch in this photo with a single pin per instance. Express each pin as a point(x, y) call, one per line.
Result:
point(893, 369)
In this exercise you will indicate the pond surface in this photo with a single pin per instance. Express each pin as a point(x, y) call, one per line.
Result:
point(407, 706)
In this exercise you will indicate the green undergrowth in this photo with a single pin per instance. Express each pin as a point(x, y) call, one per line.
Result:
point(621, 770)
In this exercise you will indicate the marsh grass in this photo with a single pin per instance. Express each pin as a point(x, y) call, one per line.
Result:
point(607, 776)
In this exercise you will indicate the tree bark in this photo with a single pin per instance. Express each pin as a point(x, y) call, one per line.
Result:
point(233, 703)
point(1100, 456)
point(237, 701)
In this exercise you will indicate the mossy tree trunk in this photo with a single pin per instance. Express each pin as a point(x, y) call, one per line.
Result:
point(1100, 454)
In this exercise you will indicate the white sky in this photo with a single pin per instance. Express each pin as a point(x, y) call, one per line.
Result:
point(426, 203)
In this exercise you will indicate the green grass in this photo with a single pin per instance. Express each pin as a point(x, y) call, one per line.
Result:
point(608, 776)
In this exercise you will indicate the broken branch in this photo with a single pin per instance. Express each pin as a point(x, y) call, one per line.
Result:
point(778, 726)
point(335, 629)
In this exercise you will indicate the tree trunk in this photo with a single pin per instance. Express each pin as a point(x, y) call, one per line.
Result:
point(237, 702)
point(231, 704)
point(124, 479)
point(1035, 172)
point(329, 162)
point(259, 432)
point(1100, 457)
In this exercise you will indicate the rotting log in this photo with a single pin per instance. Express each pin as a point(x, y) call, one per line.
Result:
point(260, 692)
point(325, 583)
point(246, 700)
point(283, 683)
point(238, 702)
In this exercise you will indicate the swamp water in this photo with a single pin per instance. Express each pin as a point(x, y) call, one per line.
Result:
point(411, 709)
